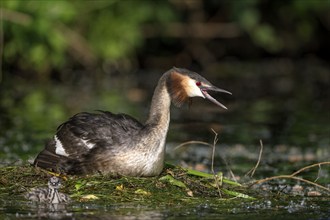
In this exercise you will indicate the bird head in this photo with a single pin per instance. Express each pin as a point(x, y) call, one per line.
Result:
point(54, 182)
point(184, 84)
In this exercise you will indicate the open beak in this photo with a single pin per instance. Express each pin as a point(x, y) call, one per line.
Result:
point(204, 90)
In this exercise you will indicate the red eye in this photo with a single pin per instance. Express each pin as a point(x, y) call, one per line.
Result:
point(198, 83)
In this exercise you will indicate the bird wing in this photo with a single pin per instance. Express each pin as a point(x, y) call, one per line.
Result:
point(86, 133)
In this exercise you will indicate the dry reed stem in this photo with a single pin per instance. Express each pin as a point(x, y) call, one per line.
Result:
point(192, 142)
point(318, 174)
point(293, 176)
point(215, 140)
point(252, 171)
point(216, 177)
point(310, 166)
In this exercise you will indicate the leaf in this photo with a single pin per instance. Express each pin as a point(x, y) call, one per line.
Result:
point(79, 184)
point(172, 181)
point(199, 173)
point(120, 187)
point(211, 176)
point(190, 193)
point(236, 194)
point(88, 197)
point(142, 192)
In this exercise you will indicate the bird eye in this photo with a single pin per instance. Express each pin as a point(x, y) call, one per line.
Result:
point(198, 83)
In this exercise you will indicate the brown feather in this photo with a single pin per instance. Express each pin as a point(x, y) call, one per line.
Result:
point(177, 82)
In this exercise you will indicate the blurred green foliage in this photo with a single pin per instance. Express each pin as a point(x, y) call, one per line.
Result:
point(281, 25)
point(42, 36)
point(45, 35)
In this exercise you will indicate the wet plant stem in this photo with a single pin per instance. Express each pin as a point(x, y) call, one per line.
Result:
point(216, 177)
point(293, 176)
point(252, 171)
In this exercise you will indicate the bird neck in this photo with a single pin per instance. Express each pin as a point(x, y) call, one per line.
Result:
point(159, 114)
point(53, 195)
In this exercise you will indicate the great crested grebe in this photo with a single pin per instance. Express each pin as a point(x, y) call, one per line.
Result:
point(50, 194)
point(118, 144)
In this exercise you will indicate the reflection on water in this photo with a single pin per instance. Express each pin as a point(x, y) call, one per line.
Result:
point(307, 208)
point(18, 208)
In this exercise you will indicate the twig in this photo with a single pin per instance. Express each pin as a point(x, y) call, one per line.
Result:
point(293, 176)
point(192, 142)
point(216, 177)
point(290, 177)
point(229, 169)
point(318, 174)
point(310, 166)
point(252, 171)
point(215, 140)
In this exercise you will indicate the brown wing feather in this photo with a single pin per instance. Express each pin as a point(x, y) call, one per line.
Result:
point(48, 159)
